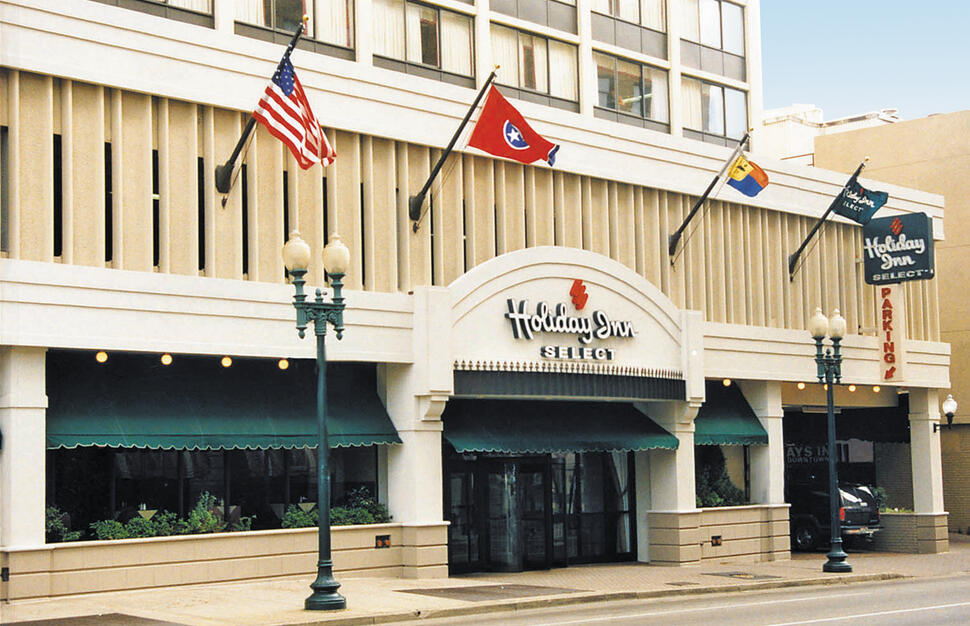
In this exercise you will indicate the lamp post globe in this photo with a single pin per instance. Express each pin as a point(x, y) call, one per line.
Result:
point(837, 325)
point(336, 256)
point(818, 325)
point(296, 252)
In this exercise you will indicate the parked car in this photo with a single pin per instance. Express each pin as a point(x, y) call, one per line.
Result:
point(809, 515)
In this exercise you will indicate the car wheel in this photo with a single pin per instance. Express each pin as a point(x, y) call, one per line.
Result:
point(805, 537)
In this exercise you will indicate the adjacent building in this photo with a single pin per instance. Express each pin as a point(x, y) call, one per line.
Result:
point(523, 377)
point(929, 153)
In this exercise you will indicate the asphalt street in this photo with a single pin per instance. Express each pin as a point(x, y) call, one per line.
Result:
point(936, 601)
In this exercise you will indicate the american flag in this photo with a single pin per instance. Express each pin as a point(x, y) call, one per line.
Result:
point(285, 113)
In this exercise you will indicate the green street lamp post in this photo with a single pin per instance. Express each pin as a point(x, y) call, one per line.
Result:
point(336, 258)
point(830, 372)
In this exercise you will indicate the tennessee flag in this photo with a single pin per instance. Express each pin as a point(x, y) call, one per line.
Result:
point(502, 131)
point(747, 177)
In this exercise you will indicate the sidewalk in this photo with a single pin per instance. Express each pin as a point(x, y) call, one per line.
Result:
point(384, 600)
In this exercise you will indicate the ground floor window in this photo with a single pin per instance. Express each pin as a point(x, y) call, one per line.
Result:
point(90, 484)
point(516, 512)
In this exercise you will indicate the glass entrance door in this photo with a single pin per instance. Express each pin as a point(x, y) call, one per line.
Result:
point(517, 515)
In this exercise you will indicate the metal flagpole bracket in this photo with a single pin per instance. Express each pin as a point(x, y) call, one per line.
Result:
point(416, 201)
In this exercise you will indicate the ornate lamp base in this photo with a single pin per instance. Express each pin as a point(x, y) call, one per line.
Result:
point(837, 561)
point(325, 596)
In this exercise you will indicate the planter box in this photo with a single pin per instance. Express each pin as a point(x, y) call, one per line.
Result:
point(93, 566)
point(757, 532)
point(915, 533)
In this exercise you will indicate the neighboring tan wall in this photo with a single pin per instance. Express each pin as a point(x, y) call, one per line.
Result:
point(95, 566)
point(912, 533)
point(733, 269)
point(955, 449)
point(748, 533)
point(894, 473)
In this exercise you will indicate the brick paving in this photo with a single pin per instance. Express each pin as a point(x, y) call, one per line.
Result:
point(383, 600)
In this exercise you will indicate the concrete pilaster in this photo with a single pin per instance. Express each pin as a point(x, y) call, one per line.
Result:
point(924, 411)
point(767, 462)
point(672, 471)
point(23, 404)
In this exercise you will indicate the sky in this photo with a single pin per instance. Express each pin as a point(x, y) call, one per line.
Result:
point(855, 56)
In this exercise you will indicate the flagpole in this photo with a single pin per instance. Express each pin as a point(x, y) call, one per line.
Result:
point(675, 238)
point(415, 201)
point(224, 172)
point(793, 258)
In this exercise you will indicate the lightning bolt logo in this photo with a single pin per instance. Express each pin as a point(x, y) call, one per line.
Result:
point(578, 292)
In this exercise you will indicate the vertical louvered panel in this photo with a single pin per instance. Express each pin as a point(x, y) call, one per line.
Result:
point(383, 238)
point(847, 275)
point(676, 290)
point(514, 207)
point(654, 250)
point(266, 167)
point(226, 220)
point(643, 199)
point(64, 91)
point(449, 233)
point(484, 207)
point(696, 268)
point(773, 243)
point(404, 228)
point(570, 197)
point(419, 166)
point(182, 187)
point(715, 279)
point(665, 215)
point(830, 266)
point(162, 141)
point(343, 187)
point(501, 214)
point(136, 175)
point(542, 211)
point(734, 243)
point(32, 203)
point(86, 156)
point(309, 213)
point(599, 216)
point(760, 286)
point(612, 220)
point(626, 224)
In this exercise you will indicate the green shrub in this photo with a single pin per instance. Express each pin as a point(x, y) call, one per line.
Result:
point(57, 528)
point(295, 517)
point(109, 529)
point(712, 485)
point(361, 499)
point(203, 518)
point(138, 526)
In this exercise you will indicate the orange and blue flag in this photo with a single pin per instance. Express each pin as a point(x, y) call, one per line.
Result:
point(747, 177)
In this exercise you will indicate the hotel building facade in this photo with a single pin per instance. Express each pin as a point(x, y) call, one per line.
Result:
point(524, 379)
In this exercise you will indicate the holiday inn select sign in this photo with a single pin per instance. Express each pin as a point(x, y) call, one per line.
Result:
point(897, 249)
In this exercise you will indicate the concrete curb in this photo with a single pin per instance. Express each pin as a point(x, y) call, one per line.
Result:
point(589, 597)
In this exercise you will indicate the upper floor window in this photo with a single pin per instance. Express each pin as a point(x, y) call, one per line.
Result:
point(543, 70)
point(197, 12)
point(636, 25)
point(425, 40)
point(718, 27)
point(649, 13)
point(331, 22)
point(631, 92)
point(713, 113)
point(558, 14)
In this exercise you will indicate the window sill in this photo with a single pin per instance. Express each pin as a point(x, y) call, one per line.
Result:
point(538, 97)
point(162, 10)
point(632, 120)
point(283, 38)
point(424, 71)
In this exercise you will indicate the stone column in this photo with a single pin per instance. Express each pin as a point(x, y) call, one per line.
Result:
point(931, 526)
point(23, 405)
point(415, 396)
point(768, 467)
point(673, 519)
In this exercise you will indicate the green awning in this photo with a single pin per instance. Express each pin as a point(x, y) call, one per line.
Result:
point(726, 419)
point(535, 426)
point(133, 401)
